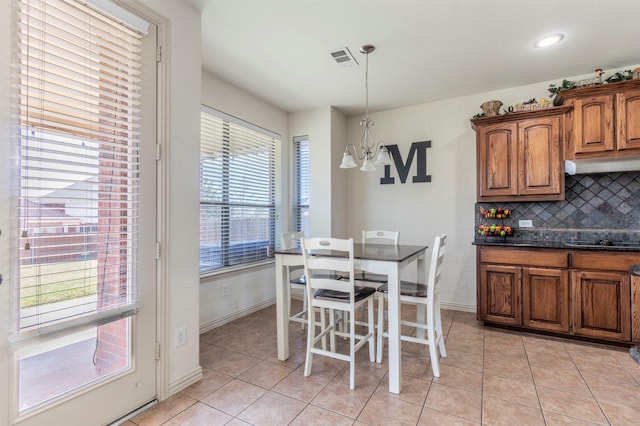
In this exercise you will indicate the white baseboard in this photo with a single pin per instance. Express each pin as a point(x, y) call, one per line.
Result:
point(458, 307)
point(255, 308)
point(236, 315)
point(185, 381)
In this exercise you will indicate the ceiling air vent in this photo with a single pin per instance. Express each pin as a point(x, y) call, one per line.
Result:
point(343, 57)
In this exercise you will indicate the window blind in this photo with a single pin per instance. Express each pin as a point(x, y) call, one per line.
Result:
point(76, 75)
point(237, 192)
point(301, 202)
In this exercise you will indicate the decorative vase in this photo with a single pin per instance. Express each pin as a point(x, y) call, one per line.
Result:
point(491, 108)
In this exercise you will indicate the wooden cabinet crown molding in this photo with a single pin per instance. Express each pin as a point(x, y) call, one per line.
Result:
point(515, 116)
point(601, 89)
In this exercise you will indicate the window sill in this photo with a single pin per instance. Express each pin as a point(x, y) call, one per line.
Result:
point(246, 267)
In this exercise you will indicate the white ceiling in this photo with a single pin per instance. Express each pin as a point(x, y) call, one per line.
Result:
point(426, 50)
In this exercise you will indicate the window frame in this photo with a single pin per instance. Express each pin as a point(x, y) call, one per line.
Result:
point(228, 263)
point(299, 206)
point(56, 130)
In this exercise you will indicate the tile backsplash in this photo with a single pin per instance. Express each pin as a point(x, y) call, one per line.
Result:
point(603, 201)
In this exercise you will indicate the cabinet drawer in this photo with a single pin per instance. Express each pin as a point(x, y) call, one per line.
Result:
point(512, 256)
point(604, 261)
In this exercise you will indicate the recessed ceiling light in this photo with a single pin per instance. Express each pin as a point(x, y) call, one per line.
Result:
point(549, 40)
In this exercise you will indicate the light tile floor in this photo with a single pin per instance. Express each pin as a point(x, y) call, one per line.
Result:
point(490, 377)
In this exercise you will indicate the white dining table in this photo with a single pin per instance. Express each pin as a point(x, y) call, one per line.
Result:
point(390, 260)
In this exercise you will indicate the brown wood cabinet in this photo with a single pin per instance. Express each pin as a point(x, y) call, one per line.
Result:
point(601, 305)
point(604, 120)
point(530, 295)
point(545, 299)
point(520, 156)
point(581, 292)
point(499, 294)
point(601, 294)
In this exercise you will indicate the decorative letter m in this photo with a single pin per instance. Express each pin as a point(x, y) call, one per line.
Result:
point(403, 168)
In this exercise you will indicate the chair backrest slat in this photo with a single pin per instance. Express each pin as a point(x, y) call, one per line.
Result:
point(435, 268)
point(290, 239)
point(380, 237)
point(323, 257)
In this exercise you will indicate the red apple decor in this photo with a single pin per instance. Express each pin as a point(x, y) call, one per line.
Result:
point(495, 213)
point(494, 230)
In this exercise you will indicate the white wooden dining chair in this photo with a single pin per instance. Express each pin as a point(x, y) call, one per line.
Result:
point(376, 237)
point(369, 279)
point(335, 293)
point(295, 277)
point(423, 296)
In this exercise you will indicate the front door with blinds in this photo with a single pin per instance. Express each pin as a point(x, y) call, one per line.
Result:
point(82, 211)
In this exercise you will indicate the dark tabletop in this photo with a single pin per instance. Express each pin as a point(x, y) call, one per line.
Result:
point(384, 252)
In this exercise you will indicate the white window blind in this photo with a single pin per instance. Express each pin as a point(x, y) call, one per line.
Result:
point(76, 88)
point(237, 192)
point(301, 202)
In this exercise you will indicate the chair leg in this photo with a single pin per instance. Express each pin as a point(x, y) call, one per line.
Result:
point(372, 330)
point(352, 350)
point(332, 318)
point(421, 318)
point(433, 350)
point(311, 329)
point(323, 324)
point(380, 331)
point(305, 308)
point(289, 307)
point(438, 325)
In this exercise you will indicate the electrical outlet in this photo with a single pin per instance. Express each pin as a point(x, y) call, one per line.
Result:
point(225, 290)
point(181, 336)
point(525, 223)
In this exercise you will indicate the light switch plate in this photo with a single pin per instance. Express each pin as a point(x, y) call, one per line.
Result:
point(525, 223)
point(181, 336)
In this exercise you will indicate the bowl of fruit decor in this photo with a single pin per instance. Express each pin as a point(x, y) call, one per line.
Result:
point(494, 228)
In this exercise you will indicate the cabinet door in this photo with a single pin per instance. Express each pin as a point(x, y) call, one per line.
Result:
point(545, 299)
point(499, 294)
point(593, 124)
point(497, 160)
point(602, 305)
point(628, 120)
point(540, 157)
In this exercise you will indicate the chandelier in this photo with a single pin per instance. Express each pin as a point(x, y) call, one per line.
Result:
point(369, 148)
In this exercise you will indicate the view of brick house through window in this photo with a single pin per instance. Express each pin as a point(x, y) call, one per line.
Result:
point(237, 191)
point(79, 123)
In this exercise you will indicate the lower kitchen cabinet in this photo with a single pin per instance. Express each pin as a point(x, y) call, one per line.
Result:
point(499, 294)
point(582, 293)
point(602, 305)
point(545, 299)
point(532, 296)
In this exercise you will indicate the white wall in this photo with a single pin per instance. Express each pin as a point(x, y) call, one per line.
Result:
point(316, 124)
point(339, 192)
point(253, 289)
point(446, 204)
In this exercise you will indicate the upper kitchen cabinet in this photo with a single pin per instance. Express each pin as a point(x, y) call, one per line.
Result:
point(520, 156)
point(604, 121)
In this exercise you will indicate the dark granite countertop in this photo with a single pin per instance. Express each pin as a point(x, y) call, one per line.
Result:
point(594, 240)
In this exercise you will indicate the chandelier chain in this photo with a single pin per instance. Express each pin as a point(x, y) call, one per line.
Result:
point(366, 86)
